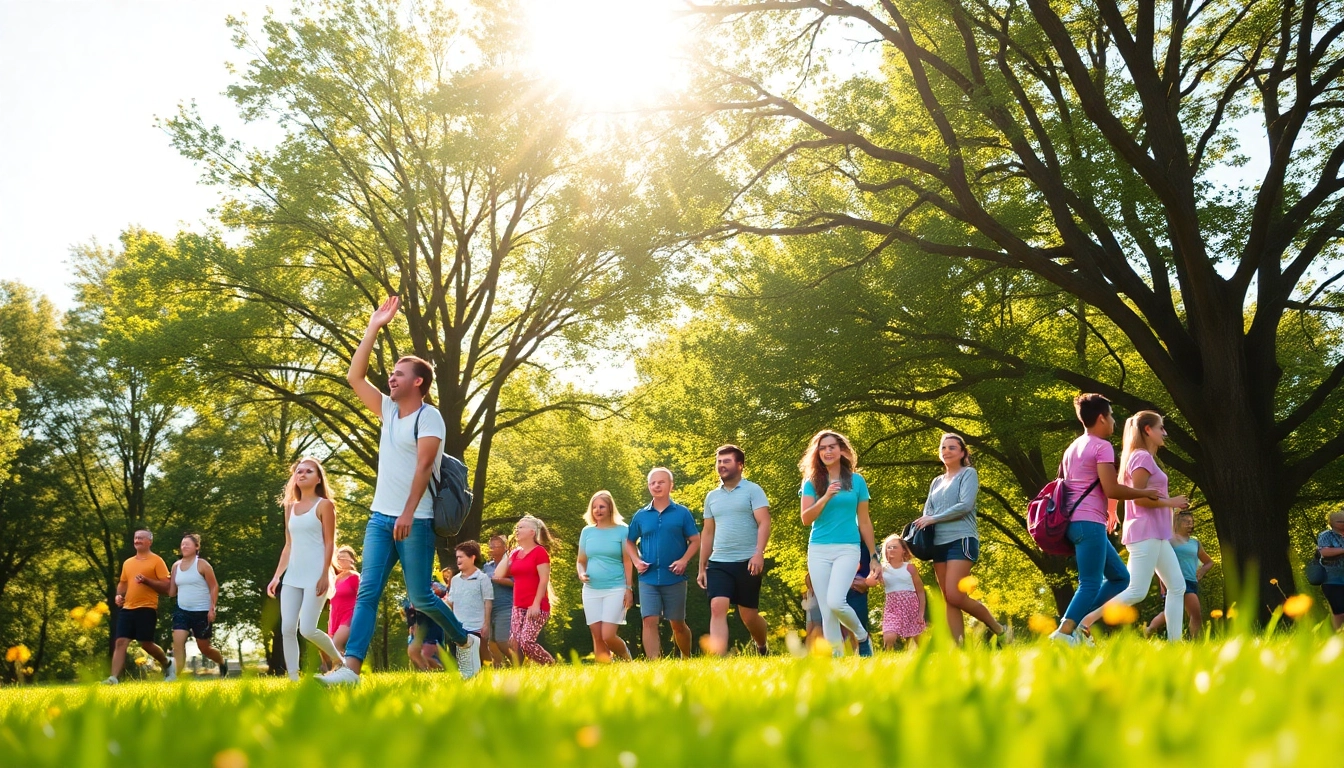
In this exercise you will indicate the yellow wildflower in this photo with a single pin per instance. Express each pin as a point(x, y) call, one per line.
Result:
point(231, 758)
point(78, 612)
point(968, 584)
point(1118, 613)
point(1041, 624)
point(588, 736)
point(1216, 613)
point(1297, 606)
point(19, 653)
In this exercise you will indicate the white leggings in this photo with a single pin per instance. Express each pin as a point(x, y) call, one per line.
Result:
point(1156, 555)
point(833, 568)
point(299, 609)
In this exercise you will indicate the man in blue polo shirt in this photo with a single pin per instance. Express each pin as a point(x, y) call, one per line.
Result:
point(662, 540)
point(732, 550)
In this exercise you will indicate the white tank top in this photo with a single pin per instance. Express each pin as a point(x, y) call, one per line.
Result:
point(897, 579)
point(193, 594)
point(307, 549)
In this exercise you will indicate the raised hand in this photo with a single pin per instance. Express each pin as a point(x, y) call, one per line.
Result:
point(385, 313)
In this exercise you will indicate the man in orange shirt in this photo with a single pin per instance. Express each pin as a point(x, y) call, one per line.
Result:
point(143, 578)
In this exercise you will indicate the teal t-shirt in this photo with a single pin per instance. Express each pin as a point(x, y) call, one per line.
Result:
point(603, 548)
point(839, 521)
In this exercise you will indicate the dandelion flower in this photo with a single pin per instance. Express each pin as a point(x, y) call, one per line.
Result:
point(1041, 624)
point(1297, 606)
point(968, 584)
point(1118, 613)
point(18, 653)
point(588, 736)
point(1275, 582)
point(1216, 613)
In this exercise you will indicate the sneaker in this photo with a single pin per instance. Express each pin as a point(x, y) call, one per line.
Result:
point(866, 646)
point(1060, 637)
point(111, 681)
point(339, 676)
point(170, 674)
point(469, 657)
point(1087, 637)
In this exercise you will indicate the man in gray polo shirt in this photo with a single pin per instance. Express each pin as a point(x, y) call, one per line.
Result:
point(732, 550)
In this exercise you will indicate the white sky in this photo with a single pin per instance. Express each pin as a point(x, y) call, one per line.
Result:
point(81, 83)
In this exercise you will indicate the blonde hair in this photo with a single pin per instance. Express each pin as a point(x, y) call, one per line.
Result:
point(291, 492)
point(1135, 439)
point(905, 548)
point(611, 504)
point(1338, 514)
point(544, 537)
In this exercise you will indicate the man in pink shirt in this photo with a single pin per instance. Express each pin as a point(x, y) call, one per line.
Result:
point(1091, 478)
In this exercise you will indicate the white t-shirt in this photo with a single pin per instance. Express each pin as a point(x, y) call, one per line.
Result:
point(397, 455)
point(468, 596)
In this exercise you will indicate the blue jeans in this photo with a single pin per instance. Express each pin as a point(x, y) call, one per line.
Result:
point(1101, 573)
point(416, 554)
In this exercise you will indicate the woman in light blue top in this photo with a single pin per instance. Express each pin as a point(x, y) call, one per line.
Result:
point(950, 509)
point(607, 574)
point(840, 524)
point(1195, 562)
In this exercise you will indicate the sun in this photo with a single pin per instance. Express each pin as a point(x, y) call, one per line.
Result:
point(608, 54)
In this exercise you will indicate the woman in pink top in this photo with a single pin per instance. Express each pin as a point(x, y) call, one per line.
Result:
point(343, 600)
point(1147, 531)
point(1091, 479)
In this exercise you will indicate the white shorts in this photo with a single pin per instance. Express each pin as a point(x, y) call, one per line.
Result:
point(604, 605)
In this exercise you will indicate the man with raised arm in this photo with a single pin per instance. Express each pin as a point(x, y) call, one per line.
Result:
point(732, 550)
point(661, 542)
point(401, 526)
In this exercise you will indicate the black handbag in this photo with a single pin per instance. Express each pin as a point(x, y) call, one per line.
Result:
point(1315, 571)
point(919, 540)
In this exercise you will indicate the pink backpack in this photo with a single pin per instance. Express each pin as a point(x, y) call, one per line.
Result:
point(1047, 522)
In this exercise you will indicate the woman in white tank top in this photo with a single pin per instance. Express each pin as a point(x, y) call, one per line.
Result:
point(305, 562)
point(192, 581)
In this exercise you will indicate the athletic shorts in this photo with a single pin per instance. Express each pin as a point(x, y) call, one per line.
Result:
point(138, 624)
point(197, 623)
point(961, 549)
point(605, 605)
point(667, 601)
point(499, 624)
point(432, 633)
point(735, 582)
point(1191, 587)
point(1334, 594)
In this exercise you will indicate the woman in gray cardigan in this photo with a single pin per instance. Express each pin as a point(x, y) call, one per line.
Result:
point(950, 509)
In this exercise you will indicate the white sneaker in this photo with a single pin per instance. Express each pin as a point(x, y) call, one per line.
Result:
point(111, 681)
point(339, 676)
point(469, 657)
point(1060, 637)
point(171, 674)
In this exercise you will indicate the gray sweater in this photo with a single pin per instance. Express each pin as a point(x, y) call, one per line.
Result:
point(952, 505)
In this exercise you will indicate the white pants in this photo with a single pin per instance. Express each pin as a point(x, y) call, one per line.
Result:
point(1156, 555)
point(299, 610)
point(833, 568)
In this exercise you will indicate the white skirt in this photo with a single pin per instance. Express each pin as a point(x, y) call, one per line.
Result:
point(604, 605)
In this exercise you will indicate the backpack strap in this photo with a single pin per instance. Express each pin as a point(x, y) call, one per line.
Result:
point(415, 435)
point(1083, 495)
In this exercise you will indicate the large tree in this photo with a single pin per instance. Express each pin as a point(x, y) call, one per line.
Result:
point(417, 159)
point(1095, 145)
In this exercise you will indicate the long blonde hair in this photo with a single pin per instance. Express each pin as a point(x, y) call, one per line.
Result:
point(544, 537)
point(611, 504)
point(1135, 440)
point(291, 492)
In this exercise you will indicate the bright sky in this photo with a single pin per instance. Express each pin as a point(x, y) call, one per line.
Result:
point(81, 82)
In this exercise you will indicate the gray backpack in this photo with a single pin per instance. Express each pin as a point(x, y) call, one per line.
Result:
point(450, 490)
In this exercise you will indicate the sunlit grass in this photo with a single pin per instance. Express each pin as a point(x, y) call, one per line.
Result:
point(1243, 701)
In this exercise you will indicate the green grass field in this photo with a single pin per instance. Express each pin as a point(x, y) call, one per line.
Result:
point(1243, 702)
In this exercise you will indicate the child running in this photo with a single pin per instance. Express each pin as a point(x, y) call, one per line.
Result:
point(903, 615)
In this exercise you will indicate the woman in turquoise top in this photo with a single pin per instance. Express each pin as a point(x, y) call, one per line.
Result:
point(1195, 562)
point(840, 523)
point(607, 574)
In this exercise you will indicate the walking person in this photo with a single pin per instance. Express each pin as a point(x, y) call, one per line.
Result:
point(1330, 547)
point(1090, 478)
point(143, 578)
point(607, 574)
point(812, 609)
point(950, 509)
point(343, 597)
point(194, 585)
point(470, 593)
point(903, 613)
point(501, 614)
point(401, 524)
point(732, 550)
point(1147, 529)
point(529, 565)
point(661, 542)
point(857, 599)
point(303, 574)
point(1195, 563)
point(840, 526)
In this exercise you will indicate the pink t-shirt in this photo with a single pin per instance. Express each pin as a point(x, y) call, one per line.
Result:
point(1142, 523)
point(1080, 470)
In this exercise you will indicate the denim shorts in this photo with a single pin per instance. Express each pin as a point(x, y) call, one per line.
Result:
point(667, 601)
point(960, 549)
point(195, 622)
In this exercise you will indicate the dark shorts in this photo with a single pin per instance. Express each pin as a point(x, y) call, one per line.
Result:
point(1334, 594)
point(1192, 587)
point(961, 549)
point(429, 630)
point(195, 622)
point(137, 623)
point(735, 582)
